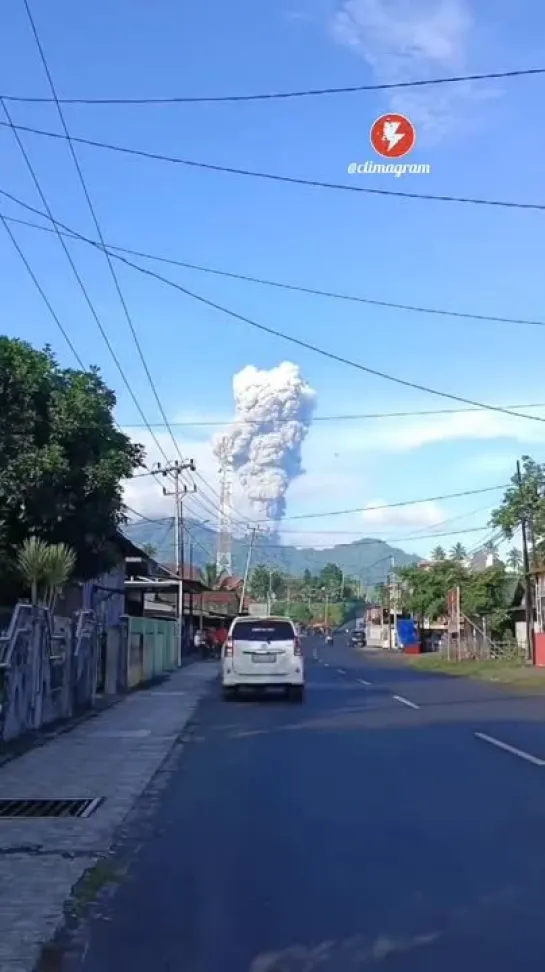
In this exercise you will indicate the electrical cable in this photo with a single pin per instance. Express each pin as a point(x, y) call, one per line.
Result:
point(98, 231)
point(282, 95)
point(330, 355)
point(296, 288)
point(391, 506)
point(79, 280)
point(276, 177)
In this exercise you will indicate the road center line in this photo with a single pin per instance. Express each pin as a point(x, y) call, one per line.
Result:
point(412, 705)
point(510, 749)
point(341, 671)
point(363, 682)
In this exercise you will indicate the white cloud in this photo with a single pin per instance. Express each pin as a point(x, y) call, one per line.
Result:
point(410, 433)
point(406, 40)
point(419, 515)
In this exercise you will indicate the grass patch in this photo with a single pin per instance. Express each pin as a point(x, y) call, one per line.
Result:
point(92, 884)
point(514, 672)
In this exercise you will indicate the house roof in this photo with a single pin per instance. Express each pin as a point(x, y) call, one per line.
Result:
point(188, 573)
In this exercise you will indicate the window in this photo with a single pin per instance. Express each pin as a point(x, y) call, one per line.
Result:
point(264, 631)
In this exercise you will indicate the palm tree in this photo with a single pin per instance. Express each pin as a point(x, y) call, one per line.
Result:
point(458, 552)
point(438, 554)
point(61, 561)
point(45, 568)
point(491, 547)
point(32, 565)
point(514, 559)
point(213, 578)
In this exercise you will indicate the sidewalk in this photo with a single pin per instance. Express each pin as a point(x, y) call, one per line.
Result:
point(113, 756)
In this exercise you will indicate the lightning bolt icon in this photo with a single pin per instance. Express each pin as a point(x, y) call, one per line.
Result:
point(391, 135)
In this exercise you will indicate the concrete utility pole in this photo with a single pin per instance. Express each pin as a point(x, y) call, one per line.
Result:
point(394, 605)
point(175, 470)
point(528, 588)
point(270, 592)
point(253, 533)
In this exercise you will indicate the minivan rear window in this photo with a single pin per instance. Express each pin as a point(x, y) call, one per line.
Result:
point(263, 631)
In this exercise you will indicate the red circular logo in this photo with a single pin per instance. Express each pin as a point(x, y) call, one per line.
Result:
point(392, 136)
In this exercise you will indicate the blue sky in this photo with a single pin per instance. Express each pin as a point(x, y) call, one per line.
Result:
point(483, 139)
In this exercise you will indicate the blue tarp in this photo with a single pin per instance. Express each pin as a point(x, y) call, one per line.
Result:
point(406, 632)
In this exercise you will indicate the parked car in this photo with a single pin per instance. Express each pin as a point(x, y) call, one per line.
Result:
point(263, 653)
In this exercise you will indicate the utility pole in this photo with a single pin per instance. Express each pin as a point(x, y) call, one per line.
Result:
point(175, 470)
point(394, 605)
point(529, 600)
point(269, 592)
point(253, 533)
point(389, 608)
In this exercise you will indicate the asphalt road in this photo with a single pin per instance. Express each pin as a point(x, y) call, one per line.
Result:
point(370, 828)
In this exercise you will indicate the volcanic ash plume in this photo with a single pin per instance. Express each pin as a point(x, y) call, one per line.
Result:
point(273, 413)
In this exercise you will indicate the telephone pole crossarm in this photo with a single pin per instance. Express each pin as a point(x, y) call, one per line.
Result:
point(180, 490)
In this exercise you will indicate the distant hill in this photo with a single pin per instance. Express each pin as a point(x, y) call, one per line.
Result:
point(366, 559)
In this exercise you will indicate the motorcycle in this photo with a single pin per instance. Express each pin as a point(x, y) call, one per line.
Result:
point(329, 639)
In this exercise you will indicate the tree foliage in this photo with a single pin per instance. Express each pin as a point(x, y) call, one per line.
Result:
point(213, 578)
point(458, 552)
point(305, 598)
point(482, 593)
point(525, 500)
point(62, 459)
point(45, 568)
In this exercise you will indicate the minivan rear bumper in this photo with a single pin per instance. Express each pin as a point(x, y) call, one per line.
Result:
point(231, 679)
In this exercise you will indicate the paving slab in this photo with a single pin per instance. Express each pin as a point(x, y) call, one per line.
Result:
point(112, 757)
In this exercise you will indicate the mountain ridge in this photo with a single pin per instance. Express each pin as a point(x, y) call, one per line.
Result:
point(367, 559)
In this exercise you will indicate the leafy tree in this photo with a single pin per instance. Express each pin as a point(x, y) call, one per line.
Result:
point(213, 578)
point(62, 460)
point(438, 554)
point(458, 552)
point(524, 500)
point(514, 559)
point(482, 593)
point(259, 582)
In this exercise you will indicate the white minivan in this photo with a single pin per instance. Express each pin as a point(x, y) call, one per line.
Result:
point(263, 653)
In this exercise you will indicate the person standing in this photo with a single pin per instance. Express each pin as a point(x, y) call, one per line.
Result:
point(197, 640)
point(221, 638)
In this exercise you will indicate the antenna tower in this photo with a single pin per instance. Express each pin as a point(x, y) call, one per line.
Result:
point(224, 559)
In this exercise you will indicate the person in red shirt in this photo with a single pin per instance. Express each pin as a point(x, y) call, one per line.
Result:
point(221, 638)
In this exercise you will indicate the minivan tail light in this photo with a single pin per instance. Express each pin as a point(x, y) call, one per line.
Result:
point(229, 648)
point(297, 647)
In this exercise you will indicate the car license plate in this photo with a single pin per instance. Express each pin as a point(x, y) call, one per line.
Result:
point(265, 658)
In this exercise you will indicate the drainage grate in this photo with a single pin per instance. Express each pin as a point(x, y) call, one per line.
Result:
point(48, 808)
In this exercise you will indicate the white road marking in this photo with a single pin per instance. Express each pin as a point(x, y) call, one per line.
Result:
point(363, 682)
point(412, 705)
point(510, 749)
point(341, 671)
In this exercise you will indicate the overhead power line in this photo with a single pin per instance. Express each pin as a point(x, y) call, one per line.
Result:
point(364, 540)
point(297, 288)
point(358, 416)
point(279, 95)
point(94, 216)
point(298, 342)
point(276, 177)
point(391, 506)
